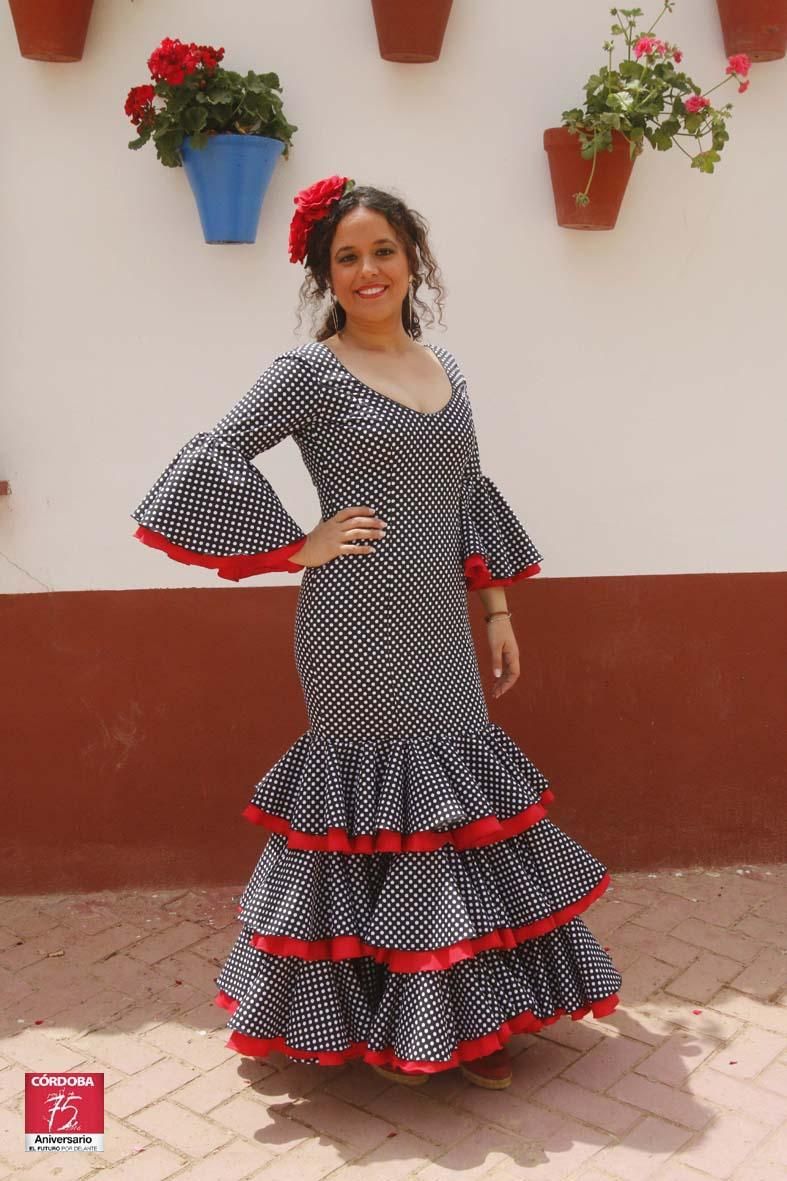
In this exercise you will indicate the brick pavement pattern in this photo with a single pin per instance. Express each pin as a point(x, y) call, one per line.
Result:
point(685, 1081)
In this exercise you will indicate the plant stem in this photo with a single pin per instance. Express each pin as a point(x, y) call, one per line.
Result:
point(685, 153)
point(656, 21)
point(595, 156)
point(590, 178)
point(718, 84)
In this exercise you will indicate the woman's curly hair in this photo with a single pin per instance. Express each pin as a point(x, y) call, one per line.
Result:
point(410, 228)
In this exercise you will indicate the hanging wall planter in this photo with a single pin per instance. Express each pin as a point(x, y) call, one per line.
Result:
point(226, 129)
point(643, 98)
point(569, 174)
point(51, 30)
point(410, 30)
point(757, 28)
point(229, 178)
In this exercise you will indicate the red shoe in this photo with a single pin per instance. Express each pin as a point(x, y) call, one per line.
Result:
point(397, 1075)
point(493, 1071)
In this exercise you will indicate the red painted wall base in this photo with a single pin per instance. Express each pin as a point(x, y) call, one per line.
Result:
point(140, 721)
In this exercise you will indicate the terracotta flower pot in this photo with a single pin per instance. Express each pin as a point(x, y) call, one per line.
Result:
point(410, 30)
point(570, 173)
point(755, 27)
point(51, 30)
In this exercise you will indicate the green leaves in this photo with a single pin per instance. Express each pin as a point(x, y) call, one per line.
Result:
point(211, 103)
point(660, 140)
point(199, 140)
point(705, 160)
point(193, 119)
point(622, 101)
point(259, 83)
point(215, 95)
point(643, 99)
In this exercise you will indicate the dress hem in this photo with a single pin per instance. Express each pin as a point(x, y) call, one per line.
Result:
point(466, 1051)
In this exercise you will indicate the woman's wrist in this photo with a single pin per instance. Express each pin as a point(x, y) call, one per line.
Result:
point(493, 598)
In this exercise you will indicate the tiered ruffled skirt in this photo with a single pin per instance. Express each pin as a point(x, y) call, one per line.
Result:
point(414, 905)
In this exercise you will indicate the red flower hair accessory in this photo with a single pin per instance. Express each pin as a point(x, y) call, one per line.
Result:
point(311, 205)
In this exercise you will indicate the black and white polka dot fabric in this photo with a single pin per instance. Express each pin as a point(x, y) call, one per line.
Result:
point(414, 904)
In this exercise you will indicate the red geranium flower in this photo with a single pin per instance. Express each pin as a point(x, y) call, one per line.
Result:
point(209, 57)
point(168, 62)
point(173, 61)
point(139, 104)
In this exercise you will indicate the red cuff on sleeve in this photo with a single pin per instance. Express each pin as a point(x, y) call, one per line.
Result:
point(234, 567)
point(478, 576)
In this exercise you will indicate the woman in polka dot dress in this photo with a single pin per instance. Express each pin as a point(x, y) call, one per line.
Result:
point(414, 905)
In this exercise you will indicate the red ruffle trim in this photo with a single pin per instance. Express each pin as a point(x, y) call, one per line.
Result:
point(466, 1051)
point(477, 573)
point(484, 831)
point(345, 947)
point(233, 567)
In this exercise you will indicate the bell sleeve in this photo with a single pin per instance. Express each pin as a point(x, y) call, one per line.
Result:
point(496, 548)
point(211, 506)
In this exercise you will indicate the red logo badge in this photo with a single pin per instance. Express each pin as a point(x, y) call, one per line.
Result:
point(64, 1112)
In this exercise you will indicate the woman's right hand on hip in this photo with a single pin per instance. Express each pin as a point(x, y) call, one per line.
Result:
point(336, 536)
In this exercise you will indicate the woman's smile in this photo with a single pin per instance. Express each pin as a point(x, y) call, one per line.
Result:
point(372, 291)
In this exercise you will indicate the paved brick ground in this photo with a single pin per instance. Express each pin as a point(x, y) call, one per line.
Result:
point(686, 1080)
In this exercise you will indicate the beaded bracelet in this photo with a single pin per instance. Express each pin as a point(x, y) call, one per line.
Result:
point(494, 613)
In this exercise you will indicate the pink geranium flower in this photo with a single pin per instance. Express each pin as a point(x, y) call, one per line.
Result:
point(739, 63)
point(695, 102)
point(644, 45)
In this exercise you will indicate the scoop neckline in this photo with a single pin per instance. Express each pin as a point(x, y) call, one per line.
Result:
point(387, 397)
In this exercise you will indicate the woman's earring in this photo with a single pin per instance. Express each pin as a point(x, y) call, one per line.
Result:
point(410, 308)
point(335, 317)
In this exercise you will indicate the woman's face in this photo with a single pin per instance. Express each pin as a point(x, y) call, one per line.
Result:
point(366, 255)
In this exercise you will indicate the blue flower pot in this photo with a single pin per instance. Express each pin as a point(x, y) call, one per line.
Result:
point(229, 178)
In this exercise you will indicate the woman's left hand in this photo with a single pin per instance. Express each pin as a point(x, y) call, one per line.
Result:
point(504, 652)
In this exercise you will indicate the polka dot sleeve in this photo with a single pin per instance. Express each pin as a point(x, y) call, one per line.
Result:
point(211, 506)
point(496, 548)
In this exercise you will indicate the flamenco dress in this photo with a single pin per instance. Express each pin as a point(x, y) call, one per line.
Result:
point(414, 906)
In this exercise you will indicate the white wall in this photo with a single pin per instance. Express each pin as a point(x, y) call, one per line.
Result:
point(628, 386)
